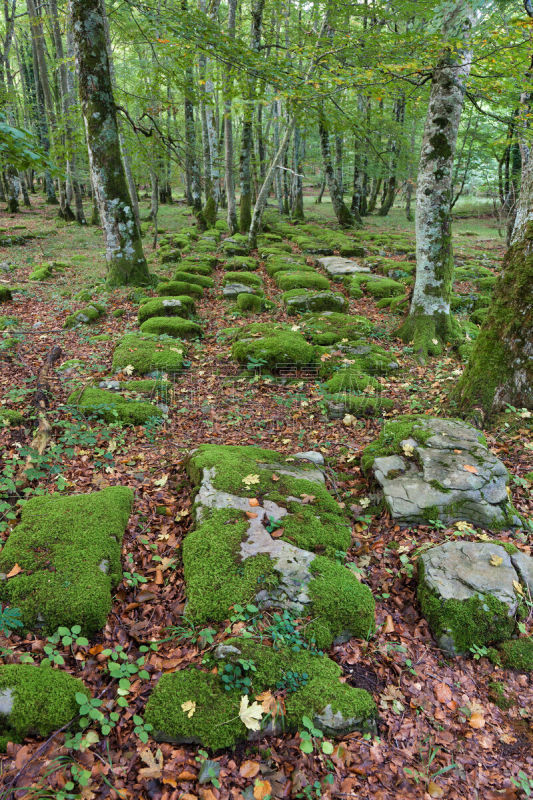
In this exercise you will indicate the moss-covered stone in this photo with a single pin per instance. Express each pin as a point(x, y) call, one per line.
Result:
point(362, 356)
point(9, 416)
point(5, 294)
point(35, 701)
point(112, 406)
point(285, 263)
point(331, 327)
point(177, 288)
point(190, 277)
point(515, 654)
point(239, 263)
point(86, 315)
point(298, 301)
point(360, 405)
point(216, 723)
point(181, 306)
point(279, 349)
point(198, 265)
point(500, 697)
point(246, 278)
point(145, 354)
point(169, 256)
point(374, 285)
point(388, 442)
point(249, 302)
point(176, 327)
point(68, 550)
point(351, 380)
point(300, 280)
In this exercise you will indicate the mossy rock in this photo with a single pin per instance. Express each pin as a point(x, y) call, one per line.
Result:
point(7, 322)
point(177, 288)
point(278, 249)
point(197, 266)
point(181, 306)
point(479, 316)
point(300, 280)
point(5, 294)
point(190, 277)
point(68, 550)
point(250, 303)
point(360, 405)
point(41, 273)
point(36, 701)
point(111, 407)
point(145, 354)
point(236, 245)
point(169, 256)
point(300, 301)
point(362, 356)
point(515, 654)
point(331, 327)
point(275, 350)
point(280, 263)
point(176, 327)
point(241, 263)
point(245, 278)
point(85, 316)
point(335, 707)
point(374, 285)
point(9, 416)
point(351, 380)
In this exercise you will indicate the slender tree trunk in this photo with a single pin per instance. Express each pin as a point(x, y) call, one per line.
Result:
point(342, 212)
point(278, 183)
point(13, 187)
point(124, 253)
point(233, 222)
point(430, 323)
point(297, 204)
point(339, 154)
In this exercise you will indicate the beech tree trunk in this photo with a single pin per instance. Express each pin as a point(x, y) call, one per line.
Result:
point(124, 252)
point(430, 324)
point(232, 220)
point(342, 212)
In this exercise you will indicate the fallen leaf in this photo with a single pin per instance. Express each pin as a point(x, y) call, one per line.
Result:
point(349, 419)
point(277, 533)
point(408, 449)
point(496, 561)
point(189, 707)
point(388, 626)
point(250, 715)
point(14, 571)
point(161, 481)
point(129, 369)
point(443, 693)
point(154, 764)
point(250, 515)
point(262, 789)
point(470, 468)
point(307, 498)
point(250, 479)
point(249, 769)
point(254, 502)
point(516, 586)
point(477, 720)
point(434, 790)
point(275, 477)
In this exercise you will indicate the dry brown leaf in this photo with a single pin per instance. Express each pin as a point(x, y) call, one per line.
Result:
point(251, 515)
point(253, 501)
point(14, 571)
point(249, 769)
point(470, 468)
point(443, 693)
point(307, 498)
point(388, 626)
point(477, 720)
point(277, 533)
point(275, 477)
point(434, 790)
point(262, 789)
point(154, 764)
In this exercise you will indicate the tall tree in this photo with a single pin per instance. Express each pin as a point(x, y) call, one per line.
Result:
point(124, 252)
point(430, 323)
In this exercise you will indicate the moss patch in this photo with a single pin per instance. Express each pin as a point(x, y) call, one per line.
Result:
point(9, 416)
point(246, 278)
point(111, 407)
point(515, 654)
point(68, 549)
point(176, 327)
point(332, 327)
point(177, 288)
point(299, 301)
point(145, 354)
point(190, 277)
point(182, 306)
point(85, 316)
point(273, 351)
point(287, 280)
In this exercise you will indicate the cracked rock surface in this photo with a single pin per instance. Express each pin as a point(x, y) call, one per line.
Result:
point(336, 266)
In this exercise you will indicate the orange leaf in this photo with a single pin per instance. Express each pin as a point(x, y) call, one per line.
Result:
point(277, 533)
point(249, 769)
point(250, 515)
point(388, 627)
point(15, 571)
point(471, 469)
point(96, 649)
point(443, 693)
point(253, 502)
point(275, 477)
point(434, 790)
point(477, 720)
point(262, 789)
point(159, 577)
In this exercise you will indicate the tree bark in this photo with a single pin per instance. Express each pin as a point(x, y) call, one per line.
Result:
point(124, 252)
point(342, 212)
point(430, 324)
point(233, 222)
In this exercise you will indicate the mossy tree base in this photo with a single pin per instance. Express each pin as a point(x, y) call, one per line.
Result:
point(429, 334)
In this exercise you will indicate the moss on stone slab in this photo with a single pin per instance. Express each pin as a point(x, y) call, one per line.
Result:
point(182, 306)
point(374, 285)
point(239, 263)
point(111, 406)
point(216, 723)
point(394, 432)
point(42, 700)
point(85, 316)
point(145, 354)
point(169, 256)
point(246, 278)
point(9, 416)
point(249, 302)
point(287, 263)
point(201, 265)
point(68, 549)
point(191, 277)
point(515, 654)
point(368, 358)
point(177, 288)
point(316, 530)
point(331, 327)
point(5, 294)
point(275, 351)
point(287, 280)
point(216, 577)
point(299, 301)
point(177, 327)
point(351, 380)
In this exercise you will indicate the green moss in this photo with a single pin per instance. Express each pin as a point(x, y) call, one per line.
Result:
point(111, 406)
point(351, 380)
point(249, 302)
point(279, 349)
point(147, 386)
point(480, 620)
point(394, 432)
point(301, 300)
point(239, 263)
point(169, 256)
point(172, 326)
point(374, 285)
point(41, 273)
point(44, 700)
point(194, 267)
point(60, 546)
point(300, 280)
point(367, 358)
point(318, 531)
point(182, 306)
point(145, 354)
point(101, 337)
point(216, 722)
point(7, 322)
point(9, 416)
point(498, 695)
point(5, 294)
point(516, 654)
point(362, 405)
point(331, 327)
point(177, 288)
point(216, 577)
point(85, 316)
point(246, 278)
point(285, 263)
point(190, 277)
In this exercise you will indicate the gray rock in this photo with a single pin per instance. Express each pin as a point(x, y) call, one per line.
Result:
point(333, 723)
point(231, 290)
point(338, 267)
point(452, 476)
point(110, 385)
point(523, 564)
point(310, 455)
point(6, 701)
point(316, 301)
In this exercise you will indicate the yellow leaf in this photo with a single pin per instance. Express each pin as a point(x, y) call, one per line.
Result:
point(477, 720)
point(250, 479)
point(434, 790)
point(250, 715)
point(154, 766)
point(517, 587)
point(408, 449)
point(470, 468)
point(262, 789)
point(189, 707)
point(496, 561)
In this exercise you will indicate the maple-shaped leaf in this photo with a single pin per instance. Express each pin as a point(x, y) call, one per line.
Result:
point(249, 480)
point(250, 715)
point(408, 449)
point(496, 561)
point(189, 707)
point(154, 764)
point(161, 481)
point(129, 369)
point(307, 498)
point(268, 702)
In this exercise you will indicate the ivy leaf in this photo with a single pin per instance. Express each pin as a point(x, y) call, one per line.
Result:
point(250, 715)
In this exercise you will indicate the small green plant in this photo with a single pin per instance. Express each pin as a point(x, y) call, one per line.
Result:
point(209, 770)
point(68, 637)
point(142, 729)
point(292, 680)
point(479, 651)
point(238, 675)
point(273, 524)
point(188, 630)
point(309, 734)
point(133, 579)
point(524, 783)
point(10, 619)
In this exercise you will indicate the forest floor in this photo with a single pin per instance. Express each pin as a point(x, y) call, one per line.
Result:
point(440, 733)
